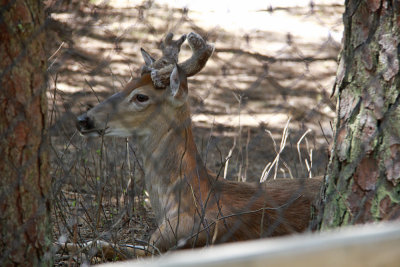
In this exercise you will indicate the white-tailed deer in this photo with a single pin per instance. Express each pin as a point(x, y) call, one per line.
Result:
point(193, 206)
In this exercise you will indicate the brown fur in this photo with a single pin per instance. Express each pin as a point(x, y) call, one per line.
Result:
point(194, 207)
point(216, 210)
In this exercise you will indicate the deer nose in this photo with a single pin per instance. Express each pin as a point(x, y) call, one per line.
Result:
point(84, 123)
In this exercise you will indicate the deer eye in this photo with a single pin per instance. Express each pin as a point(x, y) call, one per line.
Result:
point(141, 98)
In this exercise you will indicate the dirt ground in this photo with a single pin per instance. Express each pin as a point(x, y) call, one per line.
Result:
point(273, 61)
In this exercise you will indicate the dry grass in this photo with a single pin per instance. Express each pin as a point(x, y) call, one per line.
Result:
point(241, 103)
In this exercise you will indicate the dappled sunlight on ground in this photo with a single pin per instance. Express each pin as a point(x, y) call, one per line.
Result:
point(273, 60)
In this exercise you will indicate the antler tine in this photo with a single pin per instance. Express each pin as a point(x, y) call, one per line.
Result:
point(201, 53)
point(170, 51)
point(168, 38)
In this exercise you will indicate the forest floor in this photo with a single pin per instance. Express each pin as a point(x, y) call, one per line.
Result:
point(272, 62)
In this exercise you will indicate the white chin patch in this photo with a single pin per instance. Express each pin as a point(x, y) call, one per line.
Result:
point(109, 132)
point(91, 134)
point(118, 133)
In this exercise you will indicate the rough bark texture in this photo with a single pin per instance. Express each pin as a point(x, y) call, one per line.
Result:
point(363, 176)
point(24, 183)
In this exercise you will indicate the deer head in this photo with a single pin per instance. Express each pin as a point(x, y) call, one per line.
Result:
point(153, 101)
point(138, 110)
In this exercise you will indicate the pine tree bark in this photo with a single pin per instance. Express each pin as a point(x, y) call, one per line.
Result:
point(24, 184)
point(363, 175)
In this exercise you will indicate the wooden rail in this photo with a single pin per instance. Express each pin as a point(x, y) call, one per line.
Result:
point(366, 245)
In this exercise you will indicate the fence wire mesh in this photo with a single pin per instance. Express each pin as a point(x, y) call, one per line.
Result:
point(261, 108)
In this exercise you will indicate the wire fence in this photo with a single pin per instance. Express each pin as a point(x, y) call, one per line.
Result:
point(261, 108)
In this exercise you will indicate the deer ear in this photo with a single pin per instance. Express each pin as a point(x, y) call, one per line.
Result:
point(178, 85)
point(148, 60)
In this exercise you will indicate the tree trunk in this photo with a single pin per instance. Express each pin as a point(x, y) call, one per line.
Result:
point(362, 180)
point(24, 183)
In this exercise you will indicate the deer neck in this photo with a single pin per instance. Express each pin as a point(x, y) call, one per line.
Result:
point(174, 171)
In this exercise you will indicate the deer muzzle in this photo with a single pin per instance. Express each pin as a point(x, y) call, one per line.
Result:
point(86, 126)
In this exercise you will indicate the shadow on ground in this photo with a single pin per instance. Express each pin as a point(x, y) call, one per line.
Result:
point(241, 102)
